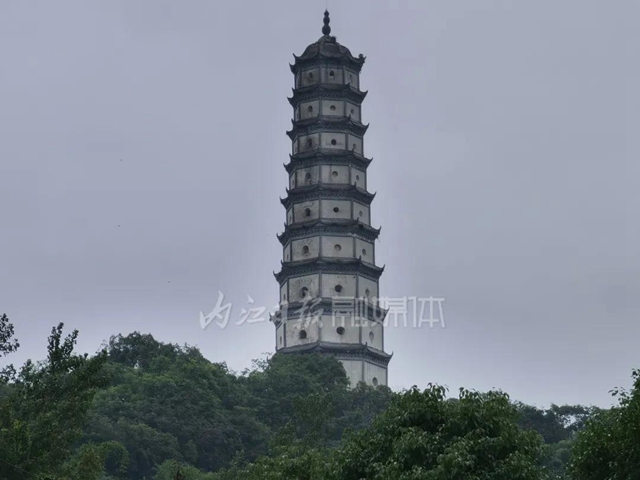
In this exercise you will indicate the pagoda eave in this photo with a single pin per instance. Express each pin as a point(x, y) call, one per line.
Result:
point(328, 265)
point(327, 154)
point(341, 350)
point(320, 226)
point(358, 162)
point(326, 91)
point(327, 190)
point(326, 123)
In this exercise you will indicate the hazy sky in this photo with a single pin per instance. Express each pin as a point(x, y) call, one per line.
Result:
point(141, 165)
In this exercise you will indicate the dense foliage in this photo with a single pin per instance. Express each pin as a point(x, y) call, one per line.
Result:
point(43, 409)
point(608, 448)
point(167, 402)
point(142, 410)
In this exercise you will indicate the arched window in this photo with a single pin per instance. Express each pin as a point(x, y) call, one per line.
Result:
point(305, 250)
point(303, 334)
point(307, 212)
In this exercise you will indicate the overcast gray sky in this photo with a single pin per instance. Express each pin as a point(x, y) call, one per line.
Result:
point(141, 165)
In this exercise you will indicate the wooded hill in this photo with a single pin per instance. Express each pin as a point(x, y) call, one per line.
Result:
point(142, 409)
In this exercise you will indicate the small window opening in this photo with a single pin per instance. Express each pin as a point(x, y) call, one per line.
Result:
point(309, 142)
point(354, 146)
point(305, 250)
point(336, 209)
point(374, 381)
point(337, 247)
point(307, 177)
point(333, 141)
point(303, 334)
point(364, 251)
point(360, 213)
point(332, 108)
point(338, 288)
point(340, 330)
point(307, 212)
point(357, 177)
point(352, 111)
point(334, 174)
point(332, 74)
point(310, 108)
point(371, 336)
point(310, 75)
point(367, 293)
point(304, 291)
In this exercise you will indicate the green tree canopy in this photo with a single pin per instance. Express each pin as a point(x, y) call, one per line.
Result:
point(43, 410)
point(608, 448)
point(423, 436)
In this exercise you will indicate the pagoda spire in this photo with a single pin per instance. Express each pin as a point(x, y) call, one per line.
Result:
point(326, 29)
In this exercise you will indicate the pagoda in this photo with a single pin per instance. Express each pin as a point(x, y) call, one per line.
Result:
point(329, 300)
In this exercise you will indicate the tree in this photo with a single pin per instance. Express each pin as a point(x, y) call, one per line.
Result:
point(168, 403)
point(8, 344)
point(609, 445)
point(424, 436)
point(558, 426)
point(42, 416)
point(556, 423)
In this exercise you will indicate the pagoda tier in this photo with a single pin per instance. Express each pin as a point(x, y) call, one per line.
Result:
point(326, 122)
point(320, 226)
point(329, 265)
point(348, 350)
point(327, 157)
point(330, 91)
point(322, 190)
point(329, 277)
point(366, 309)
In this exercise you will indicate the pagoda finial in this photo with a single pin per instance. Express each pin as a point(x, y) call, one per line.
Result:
point(326, 29)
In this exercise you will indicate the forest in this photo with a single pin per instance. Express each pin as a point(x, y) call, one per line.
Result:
point(141, 409)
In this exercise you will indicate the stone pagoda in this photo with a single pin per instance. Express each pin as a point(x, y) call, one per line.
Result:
point(329, 278)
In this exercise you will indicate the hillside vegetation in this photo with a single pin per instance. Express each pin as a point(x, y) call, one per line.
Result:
point(142, 409)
